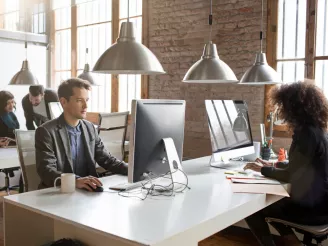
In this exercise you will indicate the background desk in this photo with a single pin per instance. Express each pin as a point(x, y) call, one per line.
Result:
point(108, 219)
point(9, 159)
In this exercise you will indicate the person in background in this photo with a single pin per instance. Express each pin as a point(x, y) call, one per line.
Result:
point(36, 105)
point(71, 144)
point(304, 109)
point(8, 120)
point(4, 142)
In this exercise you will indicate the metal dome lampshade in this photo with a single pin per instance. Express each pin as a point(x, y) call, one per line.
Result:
point(210, 68)
point(24, 76)
point(127, 56)
point(260, 73)
point(86, 74)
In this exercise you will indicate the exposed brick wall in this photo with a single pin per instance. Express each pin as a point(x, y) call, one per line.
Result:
point(178, 30)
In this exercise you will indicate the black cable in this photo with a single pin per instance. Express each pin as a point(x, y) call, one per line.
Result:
point(156, 190)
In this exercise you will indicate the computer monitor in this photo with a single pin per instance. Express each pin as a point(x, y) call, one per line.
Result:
point(55, 109)
point(153, 121)
point(230, 130)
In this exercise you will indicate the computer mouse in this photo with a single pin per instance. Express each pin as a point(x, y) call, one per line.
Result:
point(97, 189)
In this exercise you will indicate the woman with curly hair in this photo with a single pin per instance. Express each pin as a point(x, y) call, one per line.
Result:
point(8, 120)
point(304, 108)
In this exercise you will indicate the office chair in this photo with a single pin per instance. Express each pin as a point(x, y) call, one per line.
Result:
point(113, 133)
point(26, 149)
point(318, 233)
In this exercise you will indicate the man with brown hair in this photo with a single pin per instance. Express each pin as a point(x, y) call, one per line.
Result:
point(70, 144)
point(36, 105)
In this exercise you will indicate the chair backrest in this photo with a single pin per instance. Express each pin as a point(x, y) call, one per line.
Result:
point(94, 118)
point(55, 109)
point(26, 149)
point(113, 132)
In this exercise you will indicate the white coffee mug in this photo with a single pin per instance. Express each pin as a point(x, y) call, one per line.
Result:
point(67, 182)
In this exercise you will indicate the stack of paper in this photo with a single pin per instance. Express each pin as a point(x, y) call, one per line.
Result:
point(255, 181)
point(279, 190)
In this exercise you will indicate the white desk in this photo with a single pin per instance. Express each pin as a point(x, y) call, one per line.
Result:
point(9, 158)
point(106, 218)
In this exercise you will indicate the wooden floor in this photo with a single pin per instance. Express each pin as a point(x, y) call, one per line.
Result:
point(232, 236)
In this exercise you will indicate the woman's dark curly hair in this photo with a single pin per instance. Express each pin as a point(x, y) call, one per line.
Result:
point(4, 97)
point(301, 104)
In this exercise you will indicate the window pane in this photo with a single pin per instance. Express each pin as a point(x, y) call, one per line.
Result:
point(322, 28)
point(135, 8)
point(94, 12)
point(97, 38)
point(321, 75)
point(61, 76)
point(60, 3)
point(11, 21)
point(129, 89)
point(11, 5)
point(35, 26)
point(291, 29)
point(63, 50)
point(62, 18)
point(291, 71)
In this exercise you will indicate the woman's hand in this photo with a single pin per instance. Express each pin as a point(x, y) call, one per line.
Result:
point(4, 142)
point(255, 166)
point(263, 162)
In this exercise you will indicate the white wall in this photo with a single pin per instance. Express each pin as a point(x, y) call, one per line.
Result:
point(11, 58)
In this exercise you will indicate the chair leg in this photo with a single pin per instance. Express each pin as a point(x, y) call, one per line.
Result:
point(307, 239)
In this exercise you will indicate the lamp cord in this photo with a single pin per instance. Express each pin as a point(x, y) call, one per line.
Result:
point(261, 32)
point(87, 55)
point(210, 20)
point(128, 10)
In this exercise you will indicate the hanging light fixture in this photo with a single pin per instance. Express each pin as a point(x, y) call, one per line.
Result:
point(127, 56)
point(210, 68)
point(86, 74)
point(260, 73)
point(24, 76)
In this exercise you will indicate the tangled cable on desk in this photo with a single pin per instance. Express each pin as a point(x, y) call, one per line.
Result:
point(155, 189)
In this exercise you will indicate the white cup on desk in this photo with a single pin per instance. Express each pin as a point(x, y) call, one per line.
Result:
point(67, 182)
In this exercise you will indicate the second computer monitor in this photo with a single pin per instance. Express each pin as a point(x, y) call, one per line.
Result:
point(230, 129)
point(152, 121)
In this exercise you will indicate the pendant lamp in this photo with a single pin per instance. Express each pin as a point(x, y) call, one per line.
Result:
point(210, 68)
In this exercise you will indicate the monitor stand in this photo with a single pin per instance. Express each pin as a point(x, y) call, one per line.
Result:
point(228, 164)
point(172, 158)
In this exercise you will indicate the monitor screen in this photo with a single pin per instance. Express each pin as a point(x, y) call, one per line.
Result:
point(228, 124)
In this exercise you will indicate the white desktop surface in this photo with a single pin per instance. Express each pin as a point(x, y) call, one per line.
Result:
point(185, 219)
point(9, 158)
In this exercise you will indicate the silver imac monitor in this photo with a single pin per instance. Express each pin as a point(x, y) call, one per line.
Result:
point(153, 121)
point(230, 130)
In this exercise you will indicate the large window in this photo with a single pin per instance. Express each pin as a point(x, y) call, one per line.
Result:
point(130, 85)
point(39, 18)
point(9, 16)
point(297, 43)
point(93, 25)
point(321, 54)
point(291, 39)
point(94, 32)
point(62, 41)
